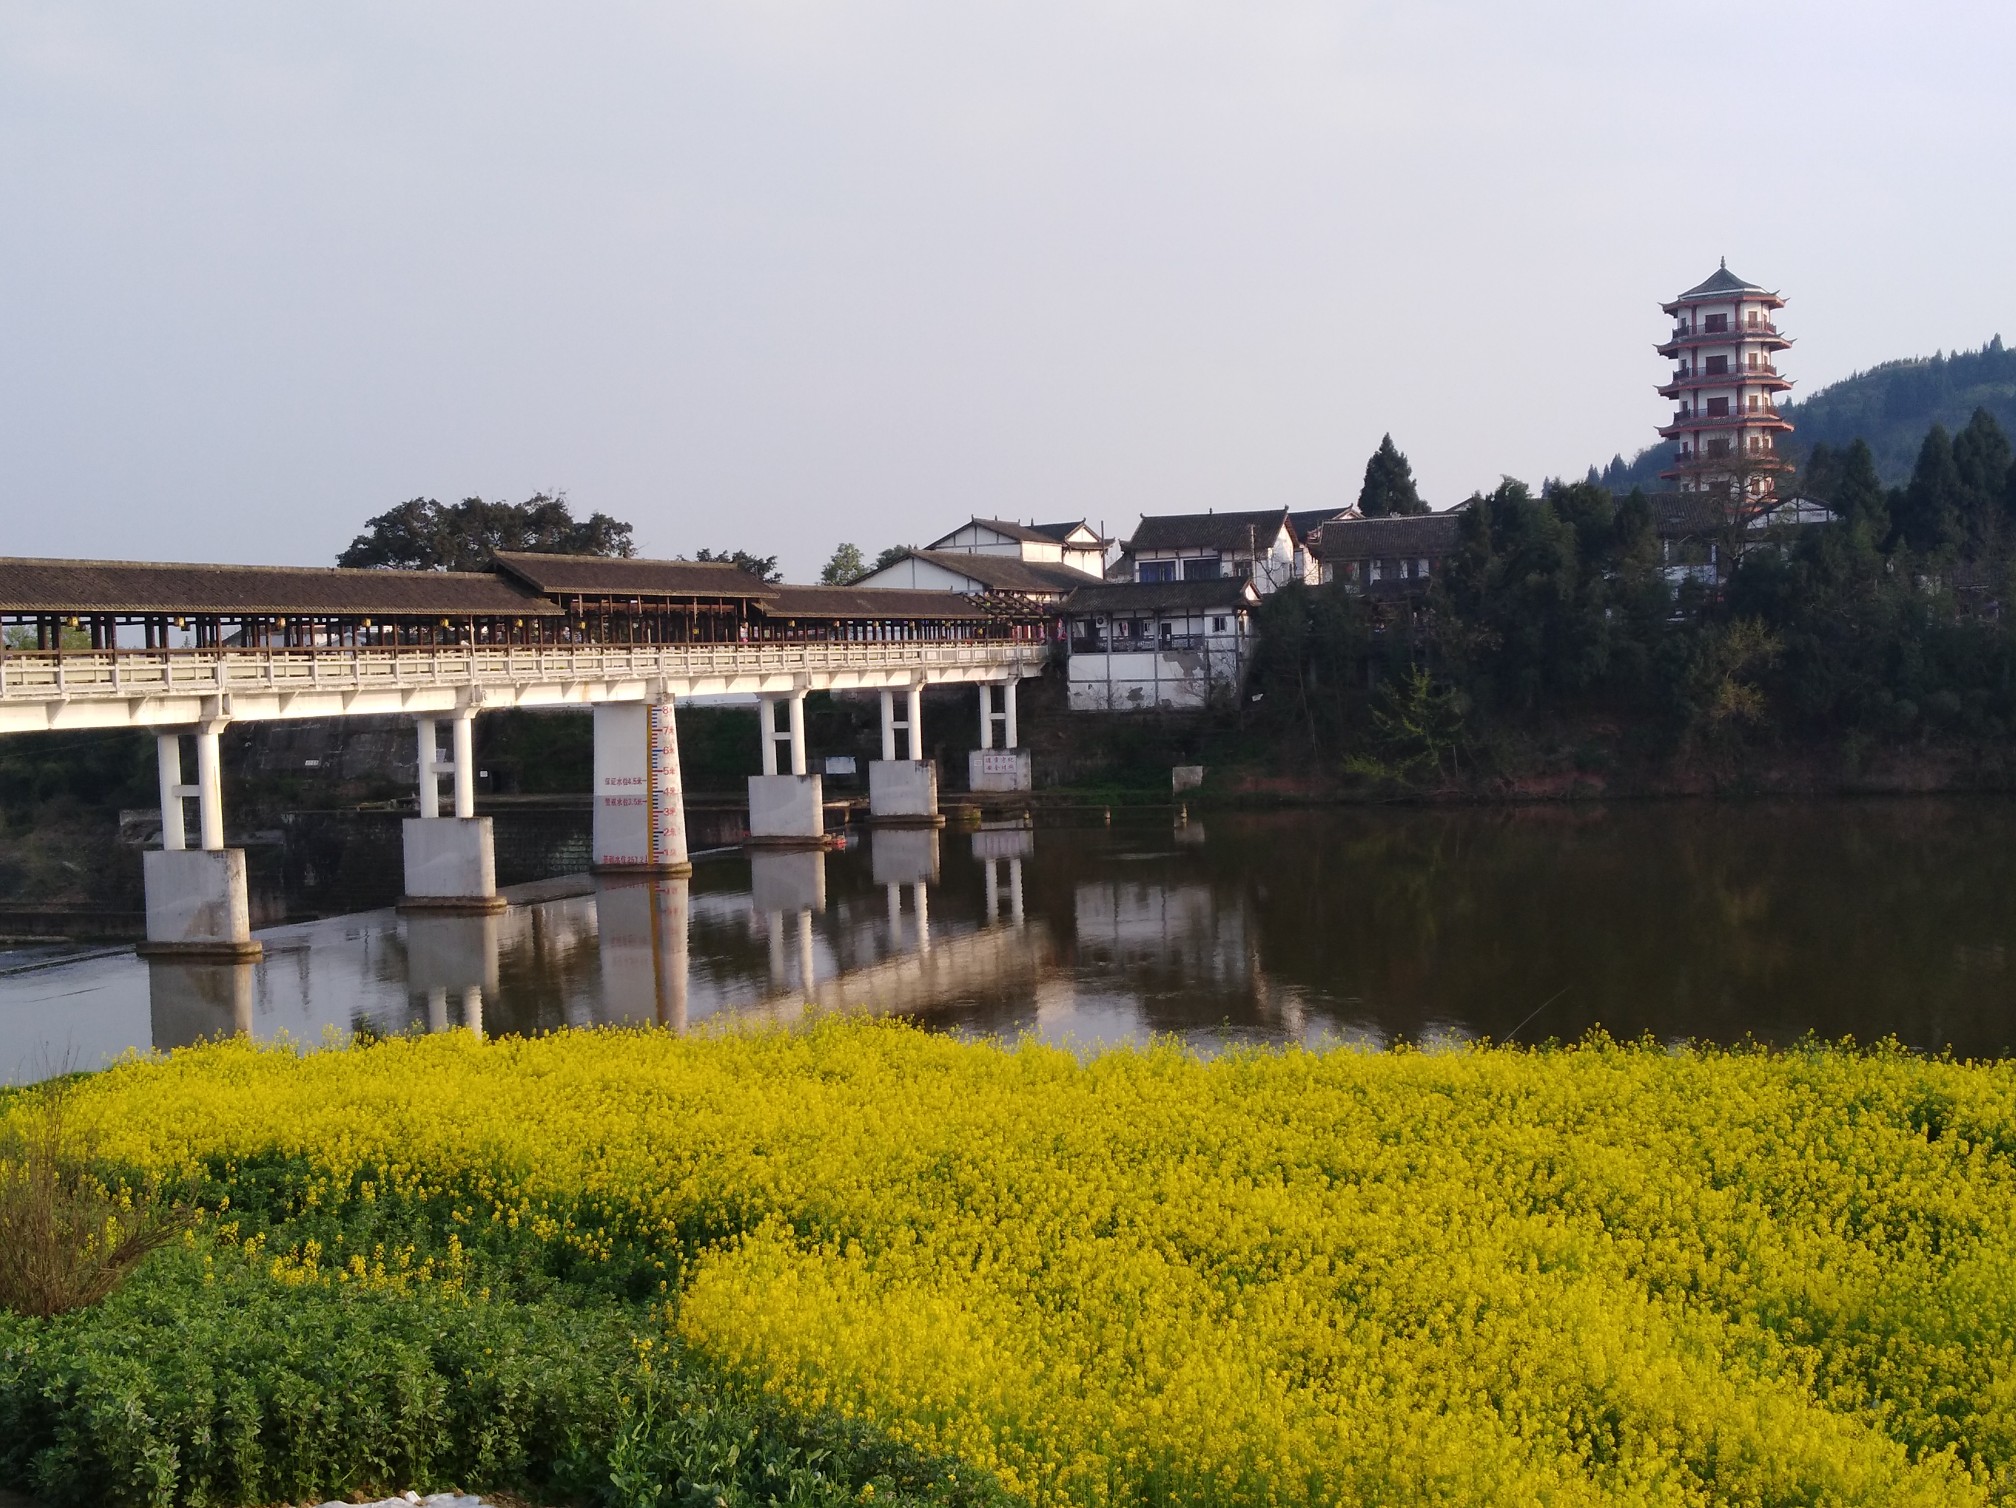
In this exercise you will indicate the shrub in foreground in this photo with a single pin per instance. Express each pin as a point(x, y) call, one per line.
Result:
point(66, 1238)
point(208, 1383)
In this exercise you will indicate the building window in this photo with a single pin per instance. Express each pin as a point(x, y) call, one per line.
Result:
point(1718, 408)
point(1204, 568)
point(1717, 365)
point(1217, 625)
point(1715, 324)
point(1158, 570)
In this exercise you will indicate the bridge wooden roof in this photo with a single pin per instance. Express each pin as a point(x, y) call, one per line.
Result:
point(603, 576)
point(876, 603)
point(29, 585)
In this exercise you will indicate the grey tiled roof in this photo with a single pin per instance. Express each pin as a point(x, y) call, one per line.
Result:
point(1207, 531)
point(140, 586)
point(1161, 596)
point(598, 576)
point(1006, 573)
point(1426, 535)
point(1721, 283)
point(872, 602)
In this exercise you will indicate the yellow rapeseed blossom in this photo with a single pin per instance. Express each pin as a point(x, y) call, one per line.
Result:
point(1596, 1275)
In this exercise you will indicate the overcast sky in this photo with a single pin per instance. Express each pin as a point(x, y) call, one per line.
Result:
point(770, 275)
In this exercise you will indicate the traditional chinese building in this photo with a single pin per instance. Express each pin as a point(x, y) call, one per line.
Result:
point(1726, 385)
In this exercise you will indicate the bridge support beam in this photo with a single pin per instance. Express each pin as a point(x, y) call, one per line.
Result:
point(640, 803)
point(451, 862)
point(785, 811)
point(197, 902)
point(903, 792)
point(1006, 768)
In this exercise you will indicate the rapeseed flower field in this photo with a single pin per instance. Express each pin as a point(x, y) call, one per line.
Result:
point(1598, 1274)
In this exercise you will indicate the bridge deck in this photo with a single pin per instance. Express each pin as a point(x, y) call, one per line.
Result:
point(142, 688)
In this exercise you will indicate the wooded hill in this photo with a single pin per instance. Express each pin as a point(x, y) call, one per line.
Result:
point(1891, 406)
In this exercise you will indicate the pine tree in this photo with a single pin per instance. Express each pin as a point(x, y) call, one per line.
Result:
point(1389, 485)
point(1928, 516)
point(1858, 494)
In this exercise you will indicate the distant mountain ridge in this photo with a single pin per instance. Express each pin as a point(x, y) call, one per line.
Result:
point(1890, 405)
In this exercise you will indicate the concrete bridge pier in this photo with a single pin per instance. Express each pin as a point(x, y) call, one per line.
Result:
point(640, 802)
point(904, 792)
point(785, 810)
point(1006, 768)
point(197, 905)
point(451, 862)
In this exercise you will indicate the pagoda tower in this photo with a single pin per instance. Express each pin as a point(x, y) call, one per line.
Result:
point(1726, 384)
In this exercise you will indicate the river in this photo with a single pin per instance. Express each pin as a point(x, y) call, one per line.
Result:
point(1707, 921)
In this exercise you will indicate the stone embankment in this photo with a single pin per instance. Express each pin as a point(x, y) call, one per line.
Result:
point(410, 1499)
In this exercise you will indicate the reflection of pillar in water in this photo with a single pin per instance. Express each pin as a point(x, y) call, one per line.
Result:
point(1015, 891)
point(895, 917)
point(671, 904)
point(773, 924)
point(923, 917)
point(197, 1002)
point(993, 890)
point(788, 884)
point(641, 935)
point(452, 956)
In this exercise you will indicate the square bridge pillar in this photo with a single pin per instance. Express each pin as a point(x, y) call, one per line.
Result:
point(903, 793)
point(787, 811)
point(451, 865)
point(197, 905)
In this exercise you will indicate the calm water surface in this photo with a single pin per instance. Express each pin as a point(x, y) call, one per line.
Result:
point(1716, 922)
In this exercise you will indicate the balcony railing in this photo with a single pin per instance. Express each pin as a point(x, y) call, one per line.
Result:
point(68, 675)
point(1143, 646)
point(1685, 419)
point(1733, 375)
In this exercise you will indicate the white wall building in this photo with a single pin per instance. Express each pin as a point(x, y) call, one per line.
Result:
point(974, 573)
point(1263, 547)
point(1158, 646)
point(1074, 544)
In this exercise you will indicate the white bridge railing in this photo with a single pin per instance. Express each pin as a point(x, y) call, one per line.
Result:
point(46, 676)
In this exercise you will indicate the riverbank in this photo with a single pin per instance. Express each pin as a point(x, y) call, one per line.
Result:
point(1596, 1274)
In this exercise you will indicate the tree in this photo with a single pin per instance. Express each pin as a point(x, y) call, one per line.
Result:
point(762, 567)
point(889, 557)
point(845, 568)
point(1859, 497)
point(1389, 485)
point(422, 534)
point(1928, 516)
point(1982, 459)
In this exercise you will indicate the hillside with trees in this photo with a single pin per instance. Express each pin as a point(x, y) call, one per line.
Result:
point(1555, 650)
point(1889, 407)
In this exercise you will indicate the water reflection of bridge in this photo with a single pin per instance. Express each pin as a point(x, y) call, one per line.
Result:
point(620, 950)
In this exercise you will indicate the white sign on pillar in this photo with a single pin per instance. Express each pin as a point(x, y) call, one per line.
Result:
point(640, 818)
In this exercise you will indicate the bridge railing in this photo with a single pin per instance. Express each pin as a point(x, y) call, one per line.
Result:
point(38, 675)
